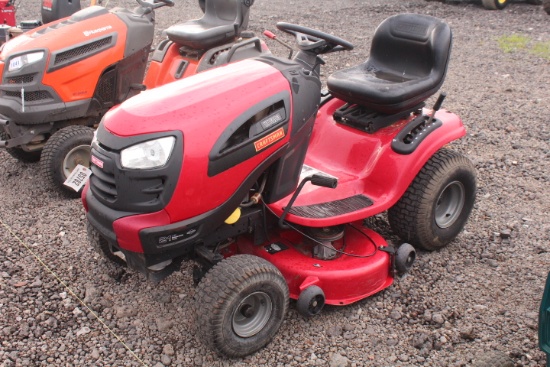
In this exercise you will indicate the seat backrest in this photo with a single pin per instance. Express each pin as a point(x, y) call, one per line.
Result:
point(222, 12)
point(411, 45)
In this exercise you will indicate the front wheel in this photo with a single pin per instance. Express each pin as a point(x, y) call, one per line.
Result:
point(63, 151)
point(437, 204)
point(495, 4)
point(240, 305)
point(20, 154)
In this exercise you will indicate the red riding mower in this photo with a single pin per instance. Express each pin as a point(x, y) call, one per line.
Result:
point(59, 80)
point(266, 183)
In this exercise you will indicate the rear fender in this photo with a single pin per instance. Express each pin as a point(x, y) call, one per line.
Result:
point(170, 62)
point(167, 65)
point(365, 164)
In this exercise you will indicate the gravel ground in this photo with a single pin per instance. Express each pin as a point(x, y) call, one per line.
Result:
point(479, 294)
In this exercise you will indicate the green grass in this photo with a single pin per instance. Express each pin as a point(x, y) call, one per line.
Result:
point(541, 49)
point(512, 43)
point(519, 42)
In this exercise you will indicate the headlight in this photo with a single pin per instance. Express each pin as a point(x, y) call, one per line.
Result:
point(150, 154)
point(18, 62)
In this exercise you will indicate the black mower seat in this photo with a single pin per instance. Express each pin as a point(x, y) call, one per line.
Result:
point(407, 64)
point(223, 20)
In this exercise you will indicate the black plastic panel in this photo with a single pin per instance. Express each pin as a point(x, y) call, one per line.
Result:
point(410, 137)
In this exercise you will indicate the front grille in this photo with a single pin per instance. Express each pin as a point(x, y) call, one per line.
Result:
point(132, 190)
point(78, 52)
point(106, 88)
point(136, 191)
point(39, 95)
point(28, 78)
point(104, 183)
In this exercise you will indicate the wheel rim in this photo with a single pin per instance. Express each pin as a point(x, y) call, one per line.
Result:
point(316, 304)
point(410, 260)
point(449, 204)
point(252, 314)
point(78, 155)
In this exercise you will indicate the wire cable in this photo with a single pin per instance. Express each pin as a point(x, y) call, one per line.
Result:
point(49, 270)
point(332, 248)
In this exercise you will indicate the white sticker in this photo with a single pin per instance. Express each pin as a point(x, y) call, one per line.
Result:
point(78, 178)
point(15, 63)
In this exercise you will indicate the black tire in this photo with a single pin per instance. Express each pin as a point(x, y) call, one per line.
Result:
point(494, 359)
point(20, 154)
point(495, 4)
point(63, 151)
point(311, 301)
point(240, 305)
point(546, 6)
point(437, 204)
point(404, 258)
point(101, 245)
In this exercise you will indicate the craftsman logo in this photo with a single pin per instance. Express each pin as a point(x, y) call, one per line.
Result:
point(98, 162)
point(98, 30)
point(270, 139)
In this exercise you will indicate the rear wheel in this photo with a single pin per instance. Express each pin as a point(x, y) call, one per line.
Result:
point(63, 151)
point(437, 204)
point(495, 4)
point(240, 305)
point(20, 154)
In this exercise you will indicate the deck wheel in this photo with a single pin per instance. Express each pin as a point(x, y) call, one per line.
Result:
point(311, 301)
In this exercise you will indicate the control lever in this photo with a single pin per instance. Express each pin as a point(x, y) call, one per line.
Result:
point(273, 36)
point(316, 180)
point(436, 107)
point(324, 181)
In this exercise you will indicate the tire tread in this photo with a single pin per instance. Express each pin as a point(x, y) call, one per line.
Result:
point(49, 167)
point(403, 216)
point(219, 285)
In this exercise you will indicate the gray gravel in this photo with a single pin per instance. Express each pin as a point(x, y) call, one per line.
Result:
point(479, 294)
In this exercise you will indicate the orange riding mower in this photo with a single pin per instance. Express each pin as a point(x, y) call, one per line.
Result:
point(59, 79)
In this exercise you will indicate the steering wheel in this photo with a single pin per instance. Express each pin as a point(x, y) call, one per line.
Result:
point(313, 40)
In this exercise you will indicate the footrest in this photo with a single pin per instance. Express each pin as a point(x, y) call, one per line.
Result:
point(332, 208)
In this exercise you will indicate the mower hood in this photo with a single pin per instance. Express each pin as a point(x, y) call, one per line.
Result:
point(62, 34)
point(209, 112)
point(204, 103)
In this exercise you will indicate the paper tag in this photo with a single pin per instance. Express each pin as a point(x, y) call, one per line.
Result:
point(78, 178)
